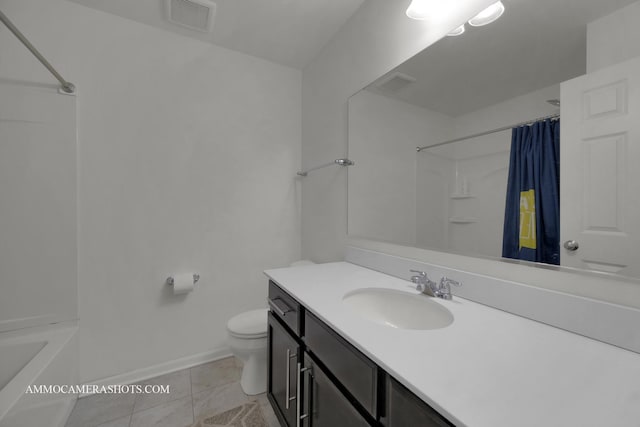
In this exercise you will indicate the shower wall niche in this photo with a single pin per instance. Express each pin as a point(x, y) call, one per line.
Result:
point(468, 181)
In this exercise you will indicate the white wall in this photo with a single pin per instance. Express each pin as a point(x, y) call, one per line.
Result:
point(38, 240)
point(613, 38)
point(383, 136)
point(433, 191)
point(378, 38)
point(187, 157)
point(515, 110)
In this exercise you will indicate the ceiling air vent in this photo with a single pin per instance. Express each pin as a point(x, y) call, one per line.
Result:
point(394, 82)
point(193, 14)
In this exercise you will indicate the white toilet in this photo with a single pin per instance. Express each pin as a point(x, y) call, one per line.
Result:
point(248, 342)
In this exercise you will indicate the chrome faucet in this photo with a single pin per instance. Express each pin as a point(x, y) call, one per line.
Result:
point(431, 288)
point(444, 287)
point(424, 284)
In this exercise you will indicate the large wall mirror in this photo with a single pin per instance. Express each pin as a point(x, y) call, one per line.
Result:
point(545, 68)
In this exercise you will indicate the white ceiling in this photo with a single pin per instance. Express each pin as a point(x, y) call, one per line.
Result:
point(535, 44)
point(288, 32)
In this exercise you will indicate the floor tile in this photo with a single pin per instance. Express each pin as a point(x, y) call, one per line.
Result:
point(179, 386)
point(267, 411)
point(97, 409)
point(219, 399)
point(262, 399)
point(270, 417)
point(120, 422)
point(178, 413)
point(248, 415)
point(214, 374)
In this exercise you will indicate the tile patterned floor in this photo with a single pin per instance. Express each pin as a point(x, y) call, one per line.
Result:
point(195, 393)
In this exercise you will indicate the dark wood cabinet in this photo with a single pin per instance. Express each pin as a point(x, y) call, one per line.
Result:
point(404, 409)
point(324, 405)
point(283, 358)
point(286, 308)
point(316, 378)
point(353, 370)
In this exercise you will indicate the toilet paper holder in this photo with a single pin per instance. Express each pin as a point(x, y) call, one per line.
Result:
point(170, 279)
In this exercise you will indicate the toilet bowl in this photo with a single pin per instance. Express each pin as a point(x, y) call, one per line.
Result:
point(248, 342)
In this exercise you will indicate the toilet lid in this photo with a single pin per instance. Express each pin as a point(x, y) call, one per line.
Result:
point(250, 323)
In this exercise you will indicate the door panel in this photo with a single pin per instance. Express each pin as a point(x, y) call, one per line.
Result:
point(599, 179)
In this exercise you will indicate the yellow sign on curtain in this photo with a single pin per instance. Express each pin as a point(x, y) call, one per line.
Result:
point(528, 219)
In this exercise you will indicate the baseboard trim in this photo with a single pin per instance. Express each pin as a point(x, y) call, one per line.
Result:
point(142, 374)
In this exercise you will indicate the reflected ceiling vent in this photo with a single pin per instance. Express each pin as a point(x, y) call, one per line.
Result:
point(393, 82)
point(196, 15)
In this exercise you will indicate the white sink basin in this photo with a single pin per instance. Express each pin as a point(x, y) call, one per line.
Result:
point(398, 309)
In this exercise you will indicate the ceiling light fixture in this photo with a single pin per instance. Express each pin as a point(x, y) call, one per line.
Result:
point(458, 31)
point(420, 9)
point(488, 15)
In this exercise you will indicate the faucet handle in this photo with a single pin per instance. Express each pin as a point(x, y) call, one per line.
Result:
point(446, 281)
point(444, 288)
point(419, 278)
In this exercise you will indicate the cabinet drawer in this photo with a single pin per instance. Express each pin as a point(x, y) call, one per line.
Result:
point(349, 366)
point(285, 307)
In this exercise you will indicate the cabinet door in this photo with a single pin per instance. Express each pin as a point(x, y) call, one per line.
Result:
point(282, 363)
point(405, 409)
point(352, 369)
point(323, 404)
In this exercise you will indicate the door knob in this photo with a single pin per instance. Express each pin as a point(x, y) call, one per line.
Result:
point(571, 245)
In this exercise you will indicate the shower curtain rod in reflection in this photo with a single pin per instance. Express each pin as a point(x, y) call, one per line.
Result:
point(489, 132)
point(67, 87)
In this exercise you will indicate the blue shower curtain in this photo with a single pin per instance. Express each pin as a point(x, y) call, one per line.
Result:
point(532, 213)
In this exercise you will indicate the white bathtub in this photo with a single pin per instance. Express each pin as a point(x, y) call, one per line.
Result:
point(44, 355)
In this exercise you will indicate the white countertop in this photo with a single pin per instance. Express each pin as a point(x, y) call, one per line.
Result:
point(488, 368)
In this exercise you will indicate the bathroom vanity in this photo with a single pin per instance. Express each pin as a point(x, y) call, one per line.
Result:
point(314, 373)
point(330, 365)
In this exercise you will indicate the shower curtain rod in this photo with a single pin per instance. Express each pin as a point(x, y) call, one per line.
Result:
point(489, 132)
point(67, 87)
point(339, 162)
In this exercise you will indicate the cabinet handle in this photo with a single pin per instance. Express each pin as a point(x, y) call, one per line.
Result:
point(299, 415)
point(309, 391)
point(274, 306)
point(288, 397)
